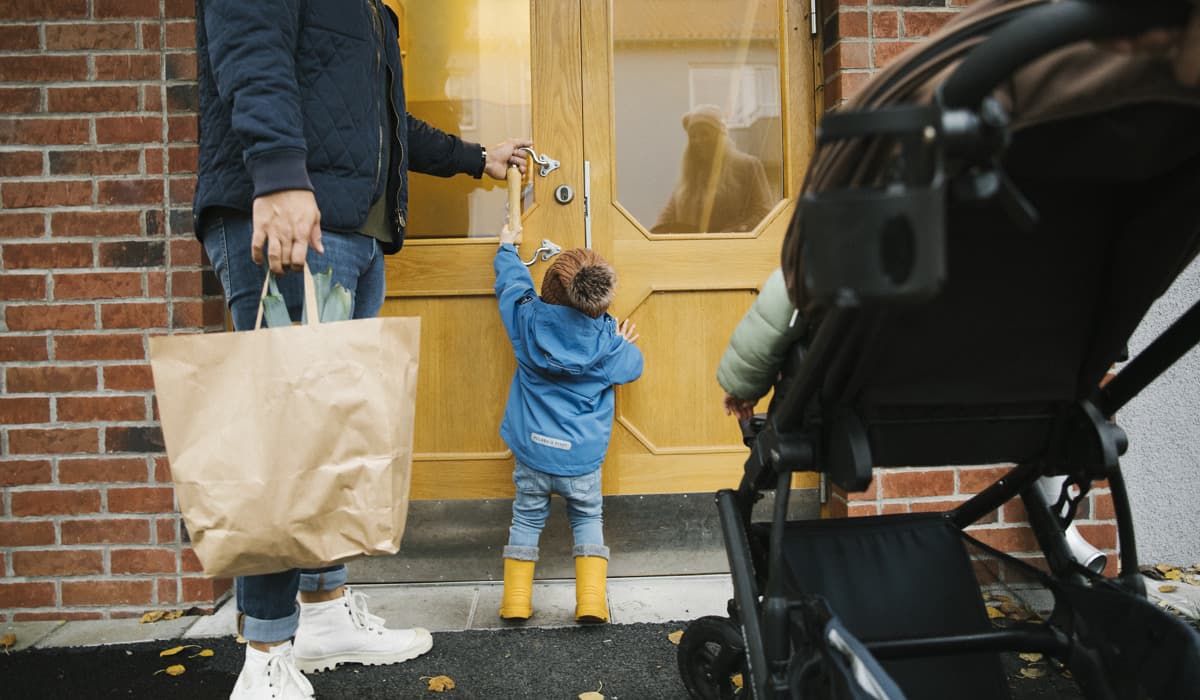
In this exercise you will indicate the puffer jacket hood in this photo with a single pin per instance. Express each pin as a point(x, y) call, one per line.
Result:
point(563, 341)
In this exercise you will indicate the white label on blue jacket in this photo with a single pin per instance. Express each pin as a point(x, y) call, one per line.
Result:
point(550, 442)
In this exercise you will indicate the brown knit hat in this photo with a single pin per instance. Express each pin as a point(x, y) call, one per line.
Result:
point(582, 280)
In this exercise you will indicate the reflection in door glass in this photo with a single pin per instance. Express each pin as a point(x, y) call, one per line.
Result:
point(466, 71)
point(699, 137)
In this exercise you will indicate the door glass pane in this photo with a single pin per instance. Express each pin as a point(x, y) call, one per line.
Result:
point(699, 136)
point(466, 71)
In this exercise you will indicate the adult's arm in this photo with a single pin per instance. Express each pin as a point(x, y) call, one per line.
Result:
point(251, 48)
point(435, 152)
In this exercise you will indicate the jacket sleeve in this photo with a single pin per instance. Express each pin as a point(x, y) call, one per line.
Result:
point(513, 283)
point(252, 48)
point(434, 152)
point(625, 364)
point(760, 342)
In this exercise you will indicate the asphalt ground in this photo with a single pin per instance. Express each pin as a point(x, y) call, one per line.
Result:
point(622, 662)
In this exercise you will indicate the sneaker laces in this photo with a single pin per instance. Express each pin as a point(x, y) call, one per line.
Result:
point(363, 619)
point(283, 666)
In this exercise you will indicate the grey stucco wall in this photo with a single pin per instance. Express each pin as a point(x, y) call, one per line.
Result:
point(1162, 466)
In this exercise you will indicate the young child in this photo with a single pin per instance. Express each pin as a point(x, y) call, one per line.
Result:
point(756, 353)
point(558, 419)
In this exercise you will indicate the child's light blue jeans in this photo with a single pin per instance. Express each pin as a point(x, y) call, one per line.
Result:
point(585, 512)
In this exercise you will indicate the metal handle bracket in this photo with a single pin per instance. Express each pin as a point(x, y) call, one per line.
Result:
point(548, 164)
point(547, 250)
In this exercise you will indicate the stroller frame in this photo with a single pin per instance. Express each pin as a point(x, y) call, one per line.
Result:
point(950, 149)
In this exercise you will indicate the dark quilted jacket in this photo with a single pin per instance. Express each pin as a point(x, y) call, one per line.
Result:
point(290, 99)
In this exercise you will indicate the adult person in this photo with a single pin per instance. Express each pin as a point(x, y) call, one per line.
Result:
point(720, 188)
point(305, 147)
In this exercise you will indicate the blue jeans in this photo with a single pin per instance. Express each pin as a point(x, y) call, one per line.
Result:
point(585, 512)
point(268, 602)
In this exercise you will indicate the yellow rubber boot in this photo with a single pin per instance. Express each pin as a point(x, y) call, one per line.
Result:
point(517, 603)
point(591, 599)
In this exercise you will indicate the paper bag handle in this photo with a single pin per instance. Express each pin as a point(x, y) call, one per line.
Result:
point(310, 298)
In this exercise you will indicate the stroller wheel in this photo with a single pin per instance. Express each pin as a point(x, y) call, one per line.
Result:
point(712, 659)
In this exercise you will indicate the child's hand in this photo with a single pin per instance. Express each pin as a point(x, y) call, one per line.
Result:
point(742, 408)
point(507, 235)
point(625, 330)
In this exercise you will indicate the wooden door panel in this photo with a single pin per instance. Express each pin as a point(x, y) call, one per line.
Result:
point(686, 292)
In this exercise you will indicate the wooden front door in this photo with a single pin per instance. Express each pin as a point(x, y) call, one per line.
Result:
point(619, 92)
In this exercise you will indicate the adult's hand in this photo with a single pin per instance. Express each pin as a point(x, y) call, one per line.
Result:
point(287, 222)
point(503, 153)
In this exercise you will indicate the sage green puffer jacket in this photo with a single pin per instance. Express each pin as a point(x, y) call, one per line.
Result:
point(759, 344)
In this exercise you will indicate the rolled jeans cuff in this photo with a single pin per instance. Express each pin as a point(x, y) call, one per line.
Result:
point(270, 631)
point(312, 580)
point(512, 551)
point(590, 550)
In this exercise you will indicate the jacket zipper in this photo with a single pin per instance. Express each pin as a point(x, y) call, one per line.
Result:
point(391, 108)
point(377, 26)
point(399, 143)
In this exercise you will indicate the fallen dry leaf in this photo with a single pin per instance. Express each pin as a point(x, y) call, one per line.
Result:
point(175, 650)
point(439, 684)
point(173, 615)
point(675, 636)
point(1167, 588)
point(202, 652)
point(1151, 572)
point(153, 616)
point(736, 679)
point(1032, 672)
point(1174, 575)
point(1031, 658)
point(176, 670)
point(1163, 567)
point(591, 695)
point(8, 641)
point(994, 613)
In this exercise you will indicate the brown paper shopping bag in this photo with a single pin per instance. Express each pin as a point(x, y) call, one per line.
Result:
point(290, 447)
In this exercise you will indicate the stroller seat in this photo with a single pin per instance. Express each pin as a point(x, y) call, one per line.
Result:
point(898, 577)
point(979, 235)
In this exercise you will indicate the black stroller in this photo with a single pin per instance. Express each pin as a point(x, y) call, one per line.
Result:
point(980, 233)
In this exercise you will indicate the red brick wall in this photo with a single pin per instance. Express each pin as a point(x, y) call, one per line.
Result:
point(859, 37)
point(97, 161)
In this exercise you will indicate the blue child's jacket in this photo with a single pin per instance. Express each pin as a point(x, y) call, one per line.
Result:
point(559, 414)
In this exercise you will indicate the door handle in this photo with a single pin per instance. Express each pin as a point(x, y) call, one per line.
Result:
point(548, 164)
point(547, 250)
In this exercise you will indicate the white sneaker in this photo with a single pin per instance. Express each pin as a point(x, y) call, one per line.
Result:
point(271, 675)
point(342, 631)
